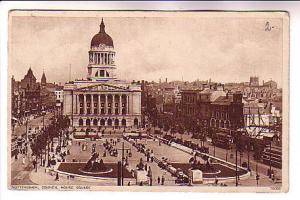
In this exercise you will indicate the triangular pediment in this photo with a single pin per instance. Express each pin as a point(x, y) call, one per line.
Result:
point(103, 87)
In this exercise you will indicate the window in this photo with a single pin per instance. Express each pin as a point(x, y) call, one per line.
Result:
point(101, 73)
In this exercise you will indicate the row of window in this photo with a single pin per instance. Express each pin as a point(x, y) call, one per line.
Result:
point(220, 124)
point(189, 99)
point(218, 115)
point(103, 122)
point(102, 111)
point(102, 104)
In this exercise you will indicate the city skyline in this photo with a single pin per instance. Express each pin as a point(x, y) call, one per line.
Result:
point(152, 55)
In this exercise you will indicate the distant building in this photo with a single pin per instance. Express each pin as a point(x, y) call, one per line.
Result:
point(31, 97)
point(227, 112)
point(43, 80)
point(59, 93)
point(254, 81)
point(31, 94)
point(213, 107)
point(270, 84)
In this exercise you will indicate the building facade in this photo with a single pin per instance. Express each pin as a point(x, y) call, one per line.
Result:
point(213, 107)
point(102, 100)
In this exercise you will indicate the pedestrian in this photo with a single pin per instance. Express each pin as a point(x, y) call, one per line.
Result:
point(44, 162)
point(273, 177)
point(34, 164)
point(146, 167)
point(158, 180)
point(57, 177)
point(23, 160)
point(162, 180)
point(16, 156)
point(149, 172)
point(216, 180)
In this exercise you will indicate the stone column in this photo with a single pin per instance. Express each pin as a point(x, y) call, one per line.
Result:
point(127, 104)
point(120, 104)
point(99, 106)
point(92, 104)
point(106, 104)
point(77, 104)
point(113, 105)
point(84, 104)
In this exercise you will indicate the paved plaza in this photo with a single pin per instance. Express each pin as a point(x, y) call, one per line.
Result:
point(23, 172)
point(27, 175)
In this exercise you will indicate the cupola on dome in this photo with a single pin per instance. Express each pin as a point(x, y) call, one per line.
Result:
point(102, 38)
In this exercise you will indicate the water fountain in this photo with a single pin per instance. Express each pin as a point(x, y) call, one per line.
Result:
point(95, 166)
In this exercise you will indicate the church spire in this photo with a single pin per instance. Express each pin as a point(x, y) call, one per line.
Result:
point(43, 80)
point(102, 26)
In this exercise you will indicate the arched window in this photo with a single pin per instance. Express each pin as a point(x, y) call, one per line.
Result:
point(95, 122)
point(109, 122)
point(80, 122)
point(88, 122)
point(102, 122)
point(136, 122)
point(101, 73)
point(123, 122)
point(217, 124)
point(116, 122)
point(222, 124)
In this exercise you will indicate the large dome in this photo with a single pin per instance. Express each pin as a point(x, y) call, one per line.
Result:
point(102, 38)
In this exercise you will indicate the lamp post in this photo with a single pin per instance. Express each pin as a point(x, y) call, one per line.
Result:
point(248, 147)
point(236, 166)
point(257, 175)
point(122, 163)
point(270, 161)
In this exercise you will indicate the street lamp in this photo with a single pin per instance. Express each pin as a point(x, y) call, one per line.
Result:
point(122, 164)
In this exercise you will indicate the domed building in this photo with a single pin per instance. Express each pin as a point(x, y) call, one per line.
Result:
point(102, 100)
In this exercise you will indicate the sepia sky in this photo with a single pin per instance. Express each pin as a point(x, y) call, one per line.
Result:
point(224, 49)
